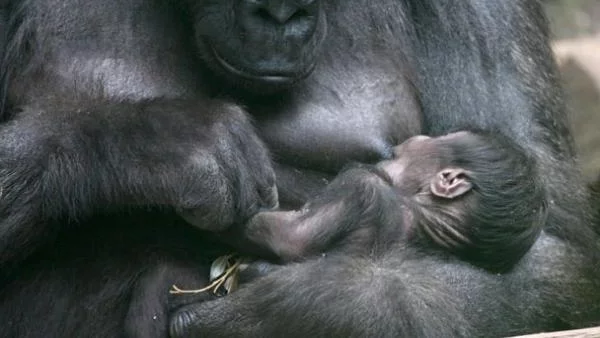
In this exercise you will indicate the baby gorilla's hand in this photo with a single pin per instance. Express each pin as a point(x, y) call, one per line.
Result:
point(256, 269)
point(348, 216)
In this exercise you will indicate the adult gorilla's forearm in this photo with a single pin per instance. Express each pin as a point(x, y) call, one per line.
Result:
point(403, 294)
point(58, 163)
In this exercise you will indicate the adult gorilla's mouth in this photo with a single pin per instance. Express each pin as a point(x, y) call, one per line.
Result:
point(270, 79)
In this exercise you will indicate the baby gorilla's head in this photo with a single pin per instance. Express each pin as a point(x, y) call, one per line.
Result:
point(469, 193)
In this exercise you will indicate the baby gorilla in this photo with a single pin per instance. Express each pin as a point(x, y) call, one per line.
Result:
point(468, 194)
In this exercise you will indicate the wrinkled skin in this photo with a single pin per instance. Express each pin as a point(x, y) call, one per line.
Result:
point(118, 115)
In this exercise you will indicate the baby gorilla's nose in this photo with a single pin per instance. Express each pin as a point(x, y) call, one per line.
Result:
point(401, 148)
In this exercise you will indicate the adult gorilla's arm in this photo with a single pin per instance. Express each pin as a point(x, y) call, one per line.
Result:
point(58, 162)
point(404, 294)
point(482, 65)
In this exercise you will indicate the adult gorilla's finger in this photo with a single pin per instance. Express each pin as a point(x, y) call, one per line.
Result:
point(216, 318)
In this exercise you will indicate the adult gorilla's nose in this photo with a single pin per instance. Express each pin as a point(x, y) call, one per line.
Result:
point(294, 13)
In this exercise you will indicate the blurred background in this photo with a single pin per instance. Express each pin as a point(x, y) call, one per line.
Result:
point(575, 26)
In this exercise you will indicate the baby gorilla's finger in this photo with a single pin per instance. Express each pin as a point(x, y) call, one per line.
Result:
point(253, 270)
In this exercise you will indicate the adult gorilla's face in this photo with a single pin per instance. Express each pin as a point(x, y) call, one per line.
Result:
point(259, 44)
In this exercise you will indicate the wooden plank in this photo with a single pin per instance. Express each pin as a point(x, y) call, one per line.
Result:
point(593, 332)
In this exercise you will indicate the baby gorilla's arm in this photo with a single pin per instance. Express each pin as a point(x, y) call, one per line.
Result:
point(292, 235)
point(348, 216)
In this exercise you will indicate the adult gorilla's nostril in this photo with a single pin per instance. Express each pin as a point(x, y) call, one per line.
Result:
point(284, 11)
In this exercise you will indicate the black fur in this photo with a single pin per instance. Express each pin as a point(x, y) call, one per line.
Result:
point(508, 208)
point(117, 105)
point(371, 210)
point(4, 14)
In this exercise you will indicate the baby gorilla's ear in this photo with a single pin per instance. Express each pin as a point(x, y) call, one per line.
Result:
point(451, 183)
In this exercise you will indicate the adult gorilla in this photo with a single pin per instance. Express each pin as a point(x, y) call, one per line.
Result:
point(120, 111)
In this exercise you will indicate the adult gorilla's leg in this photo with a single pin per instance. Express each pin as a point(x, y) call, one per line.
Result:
point(58, 163)
point(110, 278)
point(147, 315)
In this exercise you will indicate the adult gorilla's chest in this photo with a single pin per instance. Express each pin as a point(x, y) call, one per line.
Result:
point(341, 114)
point(338, 116)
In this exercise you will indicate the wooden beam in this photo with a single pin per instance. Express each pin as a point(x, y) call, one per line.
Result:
point(593, 332)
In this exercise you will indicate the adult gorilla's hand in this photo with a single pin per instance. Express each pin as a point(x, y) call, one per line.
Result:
point(216, 171)
point(231, 178)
